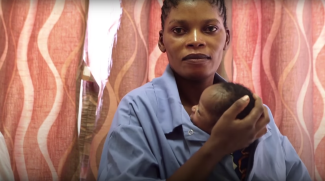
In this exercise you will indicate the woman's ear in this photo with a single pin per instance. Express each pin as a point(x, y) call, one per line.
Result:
point(161, 42)
point(227, 39)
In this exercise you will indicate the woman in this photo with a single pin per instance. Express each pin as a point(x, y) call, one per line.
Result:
point(152, 136)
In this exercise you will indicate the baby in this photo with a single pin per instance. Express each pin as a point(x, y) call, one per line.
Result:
point(214, 101)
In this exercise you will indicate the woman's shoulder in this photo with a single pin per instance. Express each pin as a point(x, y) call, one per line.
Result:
point(158, 87)
point(272, 122)
point(139, 93)
point(143, 98)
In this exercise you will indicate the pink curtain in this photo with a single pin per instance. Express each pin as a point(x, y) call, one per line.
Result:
point(40, 50)
point(277, 50)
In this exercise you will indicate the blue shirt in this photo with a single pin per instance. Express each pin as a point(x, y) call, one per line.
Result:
point(152, 135)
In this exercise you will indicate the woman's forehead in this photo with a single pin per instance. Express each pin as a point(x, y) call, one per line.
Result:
point(194, 10)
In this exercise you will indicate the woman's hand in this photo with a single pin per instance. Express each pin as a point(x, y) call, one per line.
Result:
point(232, 134)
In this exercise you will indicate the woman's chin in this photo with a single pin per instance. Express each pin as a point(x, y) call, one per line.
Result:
point(197, 75)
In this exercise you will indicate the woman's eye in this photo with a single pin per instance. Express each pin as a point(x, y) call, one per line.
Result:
point(211, 29)
point(179, 30)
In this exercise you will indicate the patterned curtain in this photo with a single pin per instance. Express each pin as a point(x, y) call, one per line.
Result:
point(277, 50)
point(41, 45)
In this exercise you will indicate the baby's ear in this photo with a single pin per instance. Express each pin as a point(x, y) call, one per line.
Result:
point(194, 108)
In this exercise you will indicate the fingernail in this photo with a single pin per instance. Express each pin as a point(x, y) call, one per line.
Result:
point(245, 98)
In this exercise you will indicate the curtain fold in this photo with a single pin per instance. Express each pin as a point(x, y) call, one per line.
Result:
point(41, 45)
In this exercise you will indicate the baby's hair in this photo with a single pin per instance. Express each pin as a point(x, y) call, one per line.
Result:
point(230, 94)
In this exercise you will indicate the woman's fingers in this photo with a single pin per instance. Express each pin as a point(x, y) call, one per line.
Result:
point(252, 118)
point(236, 108)
point(263, 120)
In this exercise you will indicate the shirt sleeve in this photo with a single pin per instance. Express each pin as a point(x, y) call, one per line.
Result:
point(126, 154)
point(295, 168)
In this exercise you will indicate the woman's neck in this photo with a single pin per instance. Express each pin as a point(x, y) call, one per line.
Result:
point(190, 91)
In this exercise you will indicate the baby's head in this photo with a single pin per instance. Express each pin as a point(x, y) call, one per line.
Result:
point(215, 100)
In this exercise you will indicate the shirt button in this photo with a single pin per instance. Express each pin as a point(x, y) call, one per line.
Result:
point(190, 132)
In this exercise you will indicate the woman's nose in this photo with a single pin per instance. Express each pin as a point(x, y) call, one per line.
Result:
point(195, 39)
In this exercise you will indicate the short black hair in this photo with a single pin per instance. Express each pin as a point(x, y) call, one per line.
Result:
point(230, 94)
point(168, 4)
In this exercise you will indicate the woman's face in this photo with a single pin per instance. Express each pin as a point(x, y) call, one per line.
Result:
point(194, 39)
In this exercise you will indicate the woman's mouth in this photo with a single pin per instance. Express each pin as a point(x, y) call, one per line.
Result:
point(196, 56)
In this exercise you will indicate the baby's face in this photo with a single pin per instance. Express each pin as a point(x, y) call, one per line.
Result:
point(202, 114)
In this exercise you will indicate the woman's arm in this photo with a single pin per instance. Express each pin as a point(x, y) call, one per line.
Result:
point(296, 170)
point(201, 164)
point(126, 154)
